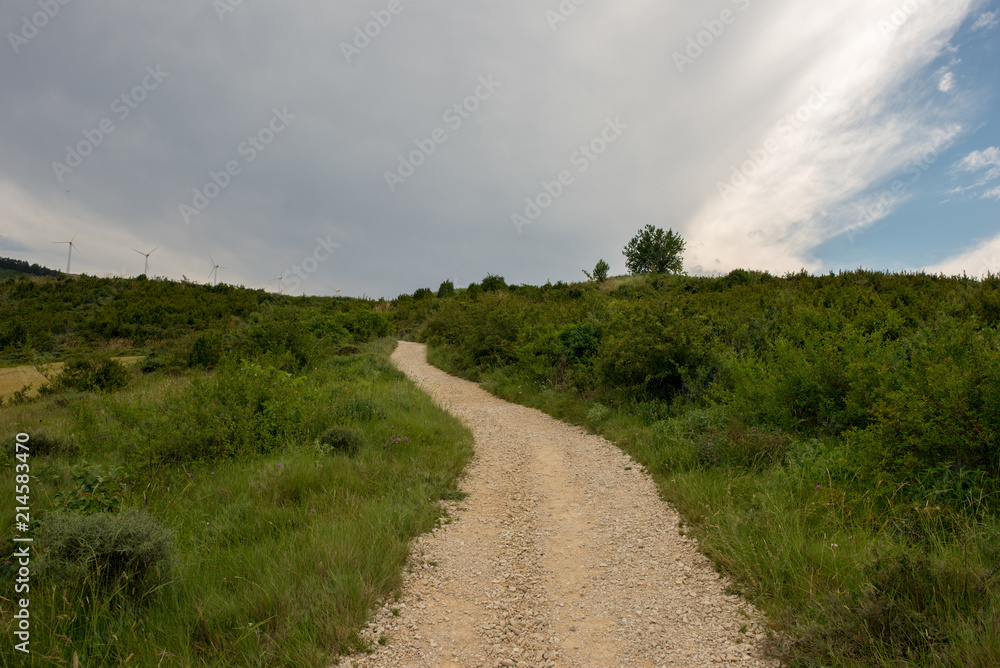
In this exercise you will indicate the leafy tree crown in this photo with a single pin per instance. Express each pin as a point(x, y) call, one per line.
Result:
point(654, 251)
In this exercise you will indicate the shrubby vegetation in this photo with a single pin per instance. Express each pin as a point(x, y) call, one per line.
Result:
point(834, 441)
point(11, 268)
point(243, 496)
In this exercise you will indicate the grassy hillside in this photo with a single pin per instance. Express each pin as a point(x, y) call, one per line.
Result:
point(243, 496)
point(833, 441)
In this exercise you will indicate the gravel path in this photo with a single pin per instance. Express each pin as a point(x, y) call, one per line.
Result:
point(562, 554)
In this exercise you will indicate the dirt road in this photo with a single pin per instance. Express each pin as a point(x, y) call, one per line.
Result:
point(562, 554)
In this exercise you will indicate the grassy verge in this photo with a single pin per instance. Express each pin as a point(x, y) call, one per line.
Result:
point(283, 536)
point(848, 578)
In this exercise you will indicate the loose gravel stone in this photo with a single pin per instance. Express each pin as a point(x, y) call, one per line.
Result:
point(562, 555)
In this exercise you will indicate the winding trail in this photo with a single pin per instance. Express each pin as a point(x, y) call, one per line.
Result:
point(562, 554)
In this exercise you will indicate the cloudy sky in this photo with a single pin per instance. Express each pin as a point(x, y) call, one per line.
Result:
point(380, 146)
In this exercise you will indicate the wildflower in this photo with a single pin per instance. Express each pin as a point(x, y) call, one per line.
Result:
point(312, 512)
point(406, 440)
point(280, 465)
point(212, 473)
point(819, 486)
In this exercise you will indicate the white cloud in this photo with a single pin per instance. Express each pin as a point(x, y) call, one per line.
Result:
point(946, 82)
point(809, 189)
point(976, 261)
point(988, 159)
point(987, 21)
point(984, 166)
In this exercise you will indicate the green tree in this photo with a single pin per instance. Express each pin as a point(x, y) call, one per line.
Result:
point(447, 289)
point(600, 272)
point(494, 283)
point(654, 251)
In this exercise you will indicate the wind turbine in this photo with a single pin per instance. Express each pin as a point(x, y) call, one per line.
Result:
point(145, 270)
point(335, 290)
point(69, 258)
point(281, 282)
point(214, 274)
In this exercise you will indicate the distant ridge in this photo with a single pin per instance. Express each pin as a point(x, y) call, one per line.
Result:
point(10, 267)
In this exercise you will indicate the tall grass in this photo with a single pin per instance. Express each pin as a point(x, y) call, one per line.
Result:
point(283, 547)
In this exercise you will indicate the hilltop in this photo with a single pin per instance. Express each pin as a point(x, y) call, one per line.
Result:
point(10, 268)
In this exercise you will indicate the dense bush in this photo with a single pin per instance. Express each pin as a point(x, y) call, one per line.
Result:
point(206, 350)
point(53, 314)
point(447, 289)
point(128, 553)
point(245, 409)
point(364, 324)
point(93, 375)
point(494, 283)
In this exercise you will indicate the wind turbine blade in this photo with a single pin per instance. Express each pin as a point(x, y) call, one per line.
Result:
point(139, 252)
point(153, 251)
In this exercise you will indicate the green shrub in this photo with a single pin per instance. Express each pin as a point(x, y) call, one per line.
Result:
point(93, 375)
point(205, 351)
point(600, 273)
point(423, 293)
point(341, 440)
point(493, 283)
point(151, 363)
point(245, 408)
point(283, 342)
point(364, 324)
point(447, 289)
point(327, 327)
point(94, 489)
point(127, 553)
point(13, 335)
point(579, 342)
point(652, 352)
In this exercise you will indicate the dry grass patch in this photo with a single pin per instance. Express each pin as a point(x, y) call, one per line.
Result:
point(13, 379)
